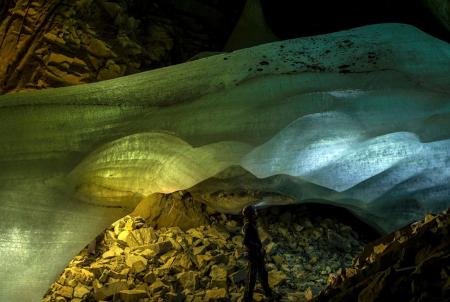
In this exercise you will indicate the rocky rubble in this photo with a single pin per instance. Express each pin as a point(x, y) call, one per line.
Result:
point(135, 262)
point(410, 264)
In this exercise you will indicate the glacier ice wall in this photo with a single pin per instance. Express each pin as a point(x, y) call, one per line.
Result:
point(124, 171)
point(358, 118)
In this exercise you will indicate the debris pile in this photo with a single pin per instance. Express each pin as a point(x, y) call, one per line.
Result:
point(410, 264)
point(135, 262)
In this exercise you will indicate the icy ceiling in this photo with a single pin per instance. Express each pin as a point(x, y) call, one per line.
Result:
point(359, 118)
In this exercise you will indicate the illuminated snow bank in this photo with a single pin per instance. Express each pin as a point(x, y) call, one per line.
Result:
point(359, 118)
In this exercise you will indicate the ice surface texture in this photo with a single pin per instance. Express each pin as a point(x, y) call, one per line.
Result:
point(359, 118)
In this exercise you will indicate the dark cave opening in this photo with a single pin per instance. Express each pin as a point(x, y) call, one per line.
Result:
point(291, 19)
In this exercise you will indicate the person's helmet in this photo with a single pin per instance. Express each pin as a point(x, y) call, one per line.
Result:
point(249, 211)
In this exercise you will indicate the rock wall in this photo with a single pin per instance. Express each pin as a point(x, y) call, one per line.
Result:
point(60, 43)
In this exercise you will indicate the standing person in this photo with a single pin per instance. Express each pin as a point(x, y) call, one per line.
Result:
point(255, 251)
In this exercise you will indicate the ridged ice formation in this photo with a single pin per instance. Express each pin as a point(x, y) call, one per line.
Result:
point(359, 118)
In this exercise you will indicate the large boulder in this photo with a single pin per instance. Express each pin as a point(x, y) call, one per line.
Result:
point(178, 209)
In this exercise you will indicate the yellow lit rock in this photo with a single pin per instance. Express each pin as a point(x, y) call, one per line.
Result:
point(136, 263)
point(378, 249)
point(276, 278)
point(132, 295)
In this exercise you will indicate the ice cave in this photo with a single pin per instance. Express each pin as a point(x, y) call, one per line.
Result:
point(352, 120)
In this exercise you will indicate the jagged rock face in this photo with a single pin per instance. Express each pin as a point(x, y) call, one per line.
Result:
point(60, 43)
point(356, 118)
point(411, 264)
point(177, 209)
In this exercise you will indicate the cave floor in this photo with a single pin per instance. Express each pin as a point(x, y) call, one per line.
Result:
point(134, 262)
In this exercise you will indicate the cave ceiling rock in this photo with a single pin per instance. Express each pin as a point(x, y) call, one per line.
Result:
point(387, 81)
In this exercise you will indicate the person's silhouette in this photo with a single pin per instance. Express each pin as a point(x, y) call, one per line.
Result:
point(255, 252)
